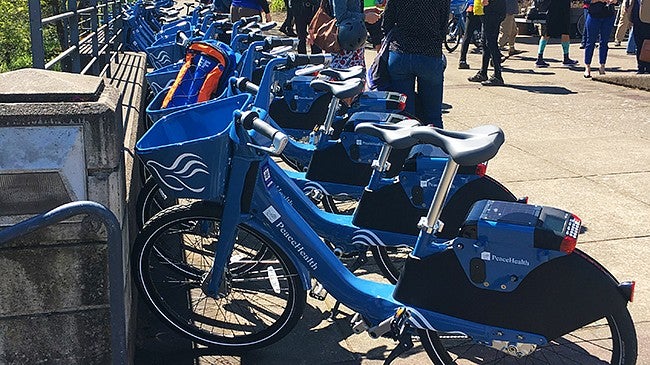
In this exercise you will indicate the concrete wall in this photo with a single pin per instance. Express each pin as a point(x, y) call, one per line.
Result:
point(54, 289)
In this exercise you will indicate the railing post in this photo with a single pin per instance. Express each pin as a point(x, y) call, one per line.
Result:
point(74, 36)
point(36, 34)
point(95, 38)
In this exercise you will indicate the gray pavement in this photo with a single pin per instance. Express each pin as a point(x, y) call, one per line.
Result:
point(577, 144)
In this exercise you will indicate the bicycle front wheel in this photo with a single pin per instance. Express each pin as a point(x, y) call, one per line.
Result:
point(611, 340)
point(261, 296)
point(454, 35)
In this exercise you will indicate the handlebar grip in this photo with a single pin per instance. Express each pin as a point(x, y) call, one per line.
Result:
point(254, 37)
point(295, 60)
point(251, 120)
point(272, 42)
point(249, 19)
point(247, 86)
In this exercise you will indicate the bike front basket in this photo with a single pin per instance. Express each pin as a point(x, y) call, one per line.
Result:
point(188, 152)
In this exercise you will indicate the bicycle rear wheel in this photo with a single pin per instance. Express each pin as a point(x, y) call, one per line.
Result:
point(611, 340)
point(454, 35)
point(261, 297)
point(151, 200)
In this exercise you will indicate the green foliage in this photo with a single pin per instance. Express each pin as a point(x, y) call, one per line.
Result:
point(277, 5)
point(15, 41)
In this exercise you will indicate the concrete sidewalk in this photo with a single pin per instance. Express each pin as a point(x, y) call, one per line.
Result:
point(573, 143)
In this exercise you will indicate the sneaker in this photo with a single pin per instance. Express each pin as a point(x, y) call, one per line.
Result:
point(493, 81)
point(479, 77)
point(582, 46)
point(569, 62)
point(617, 44)
point(462, 65)
point(541, 64)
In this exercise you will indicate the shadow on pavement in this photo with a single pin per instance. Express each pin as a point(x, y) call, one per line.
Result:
point(539, 89)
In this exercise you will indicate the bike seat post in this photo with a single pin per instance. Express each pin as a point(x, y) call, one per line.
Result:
point(430, 225)
point(332, 109)
point(380, 165)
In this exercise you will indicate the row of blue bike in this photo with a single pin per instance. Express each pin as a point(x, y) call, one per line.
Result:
point(252, 151)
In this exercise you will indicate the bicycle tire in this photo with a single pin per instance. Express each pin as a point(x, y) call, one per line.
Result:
point(390, 260)
point(454, 35)
point(584, 346)
point(255, 309)
point(580, 24)
point(151, 200)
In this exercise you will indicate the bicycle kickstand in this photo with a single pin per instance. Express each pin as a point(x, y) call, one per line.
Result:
point(403, 336)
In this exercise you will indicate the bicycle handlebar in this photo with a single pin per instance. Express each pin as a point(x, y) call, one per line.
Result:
point(272, 42)
point(245, 85)
point(295, 60)
point(251, 120)
point(250, 19)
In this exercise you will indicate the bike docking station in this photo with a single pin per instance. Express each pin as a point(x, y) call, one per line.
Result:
point(63, 297)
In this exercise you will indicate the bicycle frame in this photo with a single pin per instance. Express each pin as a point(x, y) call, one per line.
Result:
point(256, 197)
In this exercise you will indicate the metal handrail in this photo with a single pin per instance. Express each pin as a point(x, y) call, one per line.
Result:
point(117, 301)
point(103, 16)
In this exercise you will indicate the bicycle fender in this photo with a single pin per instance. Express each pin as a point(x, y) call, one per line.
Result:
point(556, 298)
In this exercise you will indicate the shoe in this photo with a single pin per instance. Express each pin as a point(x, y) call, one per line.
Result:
point(541, 64)
point(512, 52)
point(479, 77)
point(462, 65)
point(601, 70)
point(634, 53)
point(586, 76)
point(493, 81)
point(617, 44)
point(582, 46)
point(569, 62)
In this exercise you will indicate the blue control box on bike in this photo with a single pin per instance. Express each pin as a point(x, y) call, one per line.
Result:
point(502, 242)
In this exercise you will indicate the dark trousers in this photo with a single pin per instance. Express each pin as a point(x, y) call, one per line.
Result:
point(288, 22)
point(639, 37)
point(302, 15)
point(491, 23)
point(472, 24)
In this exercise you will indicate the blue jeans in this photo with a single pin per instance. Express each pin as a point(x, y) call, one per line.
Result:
point(631, 44)
point(598, 28)
point(404, 70)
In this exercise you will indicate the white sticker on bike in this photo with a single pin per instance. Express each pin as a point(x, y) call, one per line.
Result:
point(485, 256)
point(273, 278)
point(271, 214)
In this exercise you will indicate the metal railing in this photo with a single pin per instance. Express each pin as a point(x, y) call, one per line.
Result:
point(115, 262)
point(90, 36)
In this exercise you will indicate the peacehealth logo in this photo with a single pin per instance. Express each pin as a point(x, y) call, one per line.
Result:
point(487, 256)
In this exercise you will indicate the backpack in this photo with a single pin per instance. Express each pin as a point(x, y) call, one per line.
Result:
point(204, 75)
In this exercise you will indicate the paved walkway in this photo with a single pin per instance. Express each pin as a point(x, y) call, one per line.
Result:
point(577, 144)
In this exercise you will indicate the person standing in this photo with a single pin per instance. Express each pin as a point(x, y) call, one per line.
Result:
point(508, 32)
point(640, 16)
point(624, 23)
point(495, 12)
point(245, 8)
point(303, 12)
point(472, 24)
point(417, 29)
point(558, 23)
point(600, 22)
point(287, 25)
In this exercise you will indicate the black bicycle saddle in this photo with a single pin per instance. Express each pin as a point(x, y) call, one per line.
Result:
point(397, 135)
point(340, 89)
point(469, 147)
point(344, 74)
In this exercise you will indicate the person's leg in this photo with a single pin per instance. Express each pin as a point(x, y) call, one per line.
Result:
point(508, 32)
point(481, 75)
point(472, 24)
point(430, 77)
point(300, 18)
point(402, 79)
point(591, 25)
point(543, 40)
point(491, 24)
point(623, 25)
point(566, 42)
point(631, 43)
point(583, 42)
point(606, 25)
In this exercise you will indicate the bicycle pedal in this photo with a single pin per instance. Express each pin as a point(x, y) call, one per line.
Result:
point(318, 292)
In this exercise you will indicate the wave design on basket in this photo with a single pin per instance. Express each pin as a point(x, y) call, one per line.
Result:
point(184, 167)
point(311, 185)
point(162, 57)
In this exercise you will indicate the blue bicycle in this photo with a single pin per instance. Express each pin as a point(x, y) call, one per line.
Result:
point(457, 27)
point(231, 271)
